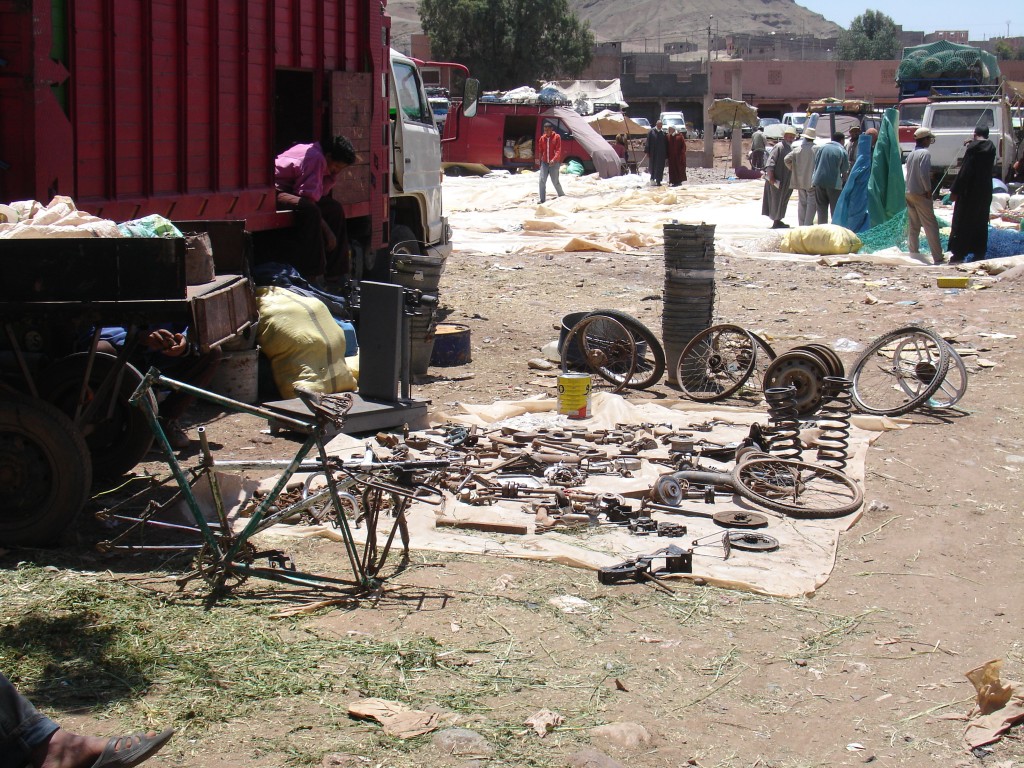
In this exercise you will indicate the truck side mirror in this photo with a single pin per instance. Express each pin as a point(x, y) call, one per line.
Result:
point(470, 96)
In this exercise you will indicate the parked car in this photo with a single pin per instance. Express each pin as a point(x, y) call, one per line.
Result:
point(642, 121)
point(796, 119)
point(674, 119)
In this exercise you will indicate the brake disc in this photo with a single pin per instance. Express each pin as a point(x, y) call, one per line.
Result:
point(804, 370)
point(740, 520)
point(751, 541)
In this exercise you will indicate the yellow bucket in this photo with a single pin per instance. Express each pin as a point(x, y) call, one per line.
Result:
point(574, 395)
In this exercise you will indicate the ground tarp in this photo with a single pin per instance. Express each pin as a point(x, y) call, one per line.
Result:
point(807, 548)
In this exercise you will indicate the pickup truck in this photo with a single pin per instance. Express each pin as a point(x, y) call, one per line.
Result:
point(953, 123)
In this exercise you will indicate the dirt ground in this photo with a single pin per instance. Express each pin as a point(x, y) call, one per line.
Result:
point(869, 670)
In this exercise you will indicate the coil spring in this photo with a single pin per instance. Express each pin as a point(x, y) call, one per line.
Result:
point(785, 426)
point(834, 421)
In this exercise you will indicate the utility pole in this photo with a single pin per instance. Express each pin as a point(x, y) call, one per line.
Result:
point(710, 17)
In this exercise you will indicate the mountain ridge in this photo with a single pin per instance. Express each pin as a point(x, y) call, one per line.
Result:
point(648, 24)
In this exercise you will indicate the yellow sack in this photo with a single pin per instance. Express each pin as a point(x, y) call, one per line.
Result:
point(303, 343)
point(821, 239)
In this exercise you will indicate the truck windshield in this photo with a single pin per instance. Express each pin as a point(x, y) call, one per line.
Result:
point(962, 117)
point(410, 96)
point(911, 114)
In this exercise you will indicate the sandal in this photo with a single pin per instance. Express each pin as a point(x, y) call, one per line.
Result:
point(126, 751)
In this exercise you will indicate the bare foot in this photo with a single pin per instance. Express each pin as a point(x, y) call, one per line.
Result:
point(68, 750)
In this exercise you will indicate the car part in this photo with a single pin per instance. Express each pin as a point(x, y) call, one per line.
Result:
point(785, 429)
point(834, 422)
point(740, 520)
point(751, 541)
point(797, 488)
point(716, 363)
point(899, 371)
point(804, 369)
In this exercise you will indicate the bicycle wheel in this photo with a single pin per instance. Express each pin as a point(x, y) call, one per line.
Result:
point(797, 488)
point(899, 371)
point(601, 345)
point(650, 355)
point(953, 386)
point(716, 362)
point(764, 355)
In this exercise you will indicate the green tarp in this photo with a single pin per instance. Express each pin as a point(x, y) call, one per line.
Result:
point(886, 187)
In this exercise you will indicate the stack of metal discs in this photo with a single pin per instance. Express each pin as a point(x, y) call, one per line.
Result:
point(689, 287)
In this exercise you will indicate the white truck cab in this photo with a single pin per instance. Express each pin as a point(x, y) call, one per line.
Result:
point(953, 123)
point(416, 206)
point(796, 119)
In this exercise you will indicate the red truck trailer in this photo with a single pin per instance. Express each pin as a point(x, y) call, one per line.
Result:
point(178, 108)
point(503, 135)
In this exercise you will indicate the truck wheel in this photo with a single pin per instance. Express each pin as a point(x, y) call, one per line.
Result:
point(117, 441)
point(404, 242)
point(45, 471)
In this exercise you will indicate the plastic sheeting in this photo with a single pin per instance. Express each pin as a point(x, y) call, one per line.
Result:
point(852, 208)
point(887, 189)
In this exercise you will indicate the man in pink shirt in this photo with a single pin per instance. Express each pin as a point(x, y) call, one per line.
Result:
point(304, 176)
point(549, 153)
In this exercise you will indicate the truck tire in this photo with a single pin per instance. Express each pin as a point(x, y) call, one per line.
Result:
point(45, 472)
point(404, 242)
point(118, 442)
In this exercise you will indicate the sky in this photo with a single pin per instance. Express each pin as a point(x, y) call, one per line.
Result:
point(929, 17)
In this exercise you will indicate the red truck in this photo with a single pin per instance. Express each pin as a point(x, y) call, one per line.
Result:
point(503, 135)
point(175, 108)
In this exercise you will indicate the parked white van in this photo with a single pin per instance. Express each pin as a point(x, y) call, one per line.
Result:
point(953, 123)
point(675, 119)
point(796, 119)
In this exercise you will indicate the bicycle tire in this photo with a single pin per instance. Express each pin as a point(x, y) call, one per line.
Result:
point(650, 358)
point(705, 374)
point(835, 495)
point(764, 354)
point(954, 384)
point(610, 353)
point(915, 379)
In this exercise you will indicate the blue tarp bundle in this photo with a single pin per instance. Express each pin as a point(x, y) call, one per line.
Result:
point(852, 208)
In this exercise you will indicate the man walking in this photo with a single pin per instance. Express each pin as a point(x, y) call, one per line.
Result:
point(800, 162)
point(549, 153)
point(758, 145)
point(778, 180)
point(971, 193)
point(831, 166)
point(657, 153)
point(920, 210)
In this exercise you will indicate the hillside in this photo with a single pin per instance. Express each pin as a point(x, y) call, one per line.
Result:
point(635, 22)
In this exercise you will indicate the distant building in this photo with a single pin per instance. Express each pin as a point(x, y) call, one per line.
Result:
point(958, 36)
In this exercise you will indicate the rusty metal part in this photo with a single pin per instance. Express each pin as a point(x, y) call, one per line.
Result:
point(671, 530)
point(751, 541)
point(677, 560)
point(785, 430)
point(740, 520)
point(668, 490)
point(642, 526)
point(804, 369)
point(834, 422)
point(567, 477)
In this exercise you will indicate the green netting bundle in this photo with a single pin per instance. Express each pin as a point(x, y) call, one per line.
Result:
point(893, 234)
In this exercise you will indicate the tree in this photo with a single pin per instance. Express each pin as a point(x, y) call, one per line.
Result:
point(872, 35)
point(507, 43)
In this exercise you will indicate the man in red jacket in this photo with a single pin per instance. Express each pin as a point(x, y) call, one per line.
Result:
point(549, 153)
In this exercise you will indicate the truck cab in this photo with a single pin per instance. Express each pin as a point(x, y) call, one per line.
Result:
point(953, 123)
point(416, 213)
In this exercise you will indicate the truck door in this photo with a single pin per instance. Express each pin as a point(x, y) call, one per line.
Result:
point(417, 149)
